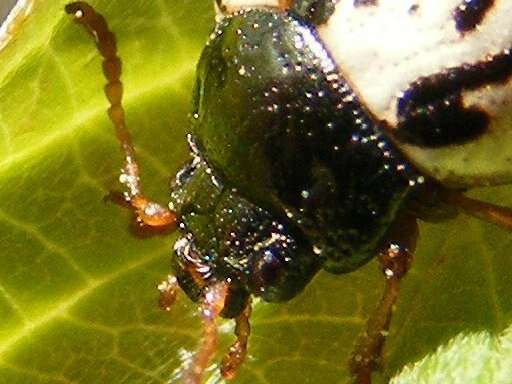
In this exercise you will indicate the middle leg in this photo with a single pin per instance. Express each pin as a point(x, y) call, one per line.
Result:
point(395, 260)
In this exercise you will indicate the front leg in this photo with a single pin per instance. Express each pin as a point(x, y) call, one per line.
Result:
point(395, 260)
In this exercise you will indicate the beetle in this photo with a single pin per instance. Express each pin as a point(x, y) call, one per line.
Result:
point(321, 132)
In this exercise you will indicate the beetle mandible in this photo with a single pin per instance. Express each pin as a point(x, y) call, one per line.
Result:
point(320, 135)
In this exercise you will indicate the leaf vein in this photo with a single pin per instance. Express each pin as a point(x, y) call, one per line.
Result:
point(81, 119)
point(63, 308)
point(51, 246)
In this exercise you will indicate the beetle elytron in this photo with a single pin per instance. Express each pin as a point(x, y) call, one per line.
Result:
point(318, 131)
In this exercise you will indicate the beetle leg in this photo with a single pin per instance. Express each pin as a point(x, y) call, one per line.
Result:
point(211, 307)
point(148, 212)
point(238, 351)
point(395, 261)
point(501, 216)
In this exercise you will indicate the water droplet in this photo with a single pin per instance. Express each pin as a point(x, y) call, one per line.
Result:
point(317, 250)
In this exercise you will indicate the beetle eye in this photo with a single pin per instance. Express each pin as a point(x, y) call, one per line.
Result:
point(267, 267)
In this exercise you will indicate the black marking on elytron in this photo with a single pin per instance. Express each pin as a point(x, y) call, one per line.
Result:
point(316, 12)
point(471, 13)
point(221, 6)
point(431, 112)
point(364, 3)
point(413, 9)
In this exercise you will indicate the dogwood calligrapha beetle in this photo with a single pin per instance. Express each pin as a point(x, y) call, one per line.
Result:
point(321, 131)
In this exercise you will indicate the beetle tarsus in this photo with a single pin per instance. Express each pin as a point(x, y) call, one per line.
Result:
point(238, 351)
point(148, 212)
point(395, 261)
point(212, 305)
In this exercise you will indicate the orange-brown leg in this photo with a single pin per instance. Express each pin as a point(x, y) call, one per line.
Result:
point(238, 351)
point(148, 212)
point(285, 4)
point(395, 261)
point(213, 302)
point(501, 216)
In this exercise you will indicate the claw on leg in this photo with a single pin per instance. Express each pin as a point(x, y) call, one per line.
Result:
point(238, 351)
point(148, 212)
point(395, 262)
point(211, 307)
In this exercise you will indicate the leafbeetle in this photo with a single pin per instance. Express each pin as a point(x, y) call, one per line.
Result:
point(321, 131)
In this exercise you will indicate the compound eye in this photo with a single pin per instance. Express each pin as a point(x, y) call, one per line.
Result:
point(267, 268)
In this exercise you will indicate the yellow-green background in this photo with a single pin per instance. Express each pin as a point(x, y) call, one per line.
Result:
point(77, 288)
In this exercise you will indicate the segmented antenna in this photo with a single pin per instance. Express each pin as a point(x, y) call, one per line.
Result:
point(213, 302)
point(105, 40)
point(148, 212)
point(238, 351)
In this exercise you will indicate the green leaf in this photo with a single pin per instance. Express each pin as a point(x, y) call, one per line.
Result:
point(455, 314)
point(77, 289)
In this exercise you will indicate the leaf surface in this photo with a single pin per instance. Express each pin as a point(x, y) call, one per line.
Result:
point(77, 289)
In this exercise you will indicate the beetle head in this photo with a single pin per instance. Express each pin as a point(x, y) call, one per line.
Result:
point(228, 238)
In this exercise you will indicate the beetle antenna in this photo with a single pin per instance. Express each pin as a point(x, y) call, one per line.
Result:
point(148, 212)
point(211, 307)
point(238, 351)
point(501, 216)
